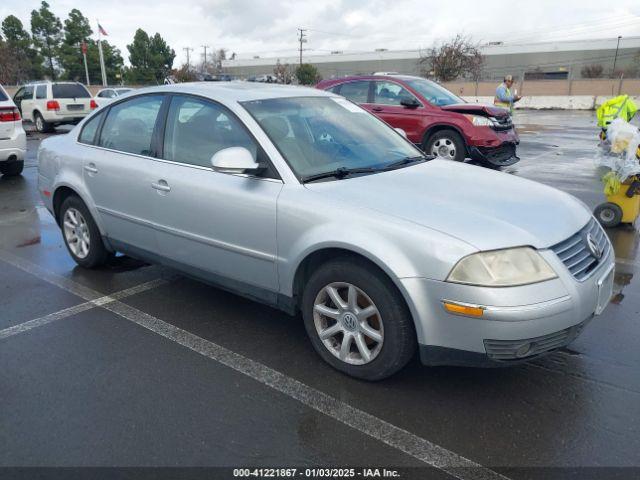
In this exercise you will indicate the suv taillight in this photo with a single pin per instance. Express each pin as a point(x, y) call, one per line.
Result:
point(93, 104)
point(53, 105)
point(10, 114)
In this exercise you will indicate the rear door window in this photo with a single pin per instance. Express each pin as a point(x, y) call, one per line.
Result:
point(129, 125)
point(357, 92)
point(90, 128)
point(41, 91)
point(70, 90)
point(28, 93)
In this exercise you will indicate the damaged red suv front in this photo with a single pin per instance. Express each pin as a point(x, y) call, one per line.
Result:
point(441, 123)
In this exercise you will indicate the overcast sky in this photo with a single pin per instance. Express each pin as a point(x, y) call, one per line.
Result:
point(268, 27)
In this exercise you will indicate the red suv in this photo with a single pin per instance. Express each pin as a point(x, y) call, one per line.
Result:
point(439, 122)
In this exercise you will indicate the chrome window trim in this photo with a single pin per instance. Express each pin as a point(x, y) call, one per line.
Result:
point(189, 165)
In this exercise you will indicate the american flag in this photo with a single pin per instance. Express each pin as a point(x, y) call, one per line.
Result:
point(102, 31)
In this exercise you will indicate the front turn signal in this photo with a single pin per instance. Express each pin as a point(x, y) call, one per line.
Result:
point(462, 309)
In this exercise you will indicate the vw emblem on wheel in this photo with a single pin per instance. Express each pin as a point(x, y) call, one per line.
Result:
point(349, 321)
point(593, 247)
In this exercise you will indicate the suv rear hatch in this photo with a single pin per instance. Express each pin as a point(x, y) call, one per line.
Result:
point(8, 115)
point(74, 99)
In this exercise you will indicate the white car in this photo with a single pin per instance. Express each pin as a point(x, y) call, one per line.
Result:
point(107, 95)
point(49, 104)
point(13, 139)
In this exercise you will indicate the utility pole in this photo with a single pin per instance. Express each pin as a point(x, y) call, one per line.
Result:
point(302, 39)
point(187, 49)
point(205, 56)
point(615, 59)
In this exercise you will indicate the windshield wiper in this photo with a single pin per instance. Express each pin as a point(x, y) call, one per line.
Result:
point(339, 173)
point(406, 161)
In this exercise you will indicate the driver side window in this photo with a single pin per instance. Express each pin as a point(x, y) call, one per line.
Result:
point(389, 93)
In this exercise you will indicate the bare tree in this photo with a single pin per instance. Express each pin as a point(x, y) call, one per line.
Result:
point(592, 71)
point(283, 72)
point(459, 57)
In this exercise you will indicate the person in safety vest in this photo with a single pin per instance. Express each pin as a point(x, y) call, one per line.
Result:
point(504, 98)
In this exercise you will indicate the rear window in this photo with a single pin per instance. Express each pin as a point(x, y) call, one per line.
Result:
point(3, 96)
point(70, 91)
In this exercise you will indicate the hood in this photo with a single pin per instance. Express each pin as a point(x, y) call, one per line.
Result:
point(476, 109)
point(481, 207)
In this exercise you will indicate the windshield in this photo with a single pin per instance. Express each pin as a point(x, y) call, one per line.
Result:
point(434, 93)
point(321, 134)
point(69, 90)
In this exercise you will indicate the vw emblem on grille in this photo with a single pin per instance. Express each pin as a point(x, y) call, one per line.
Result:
point(593, 247)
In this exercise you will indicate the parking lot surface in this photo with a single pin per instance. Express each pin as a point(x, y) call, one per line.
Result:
point(134, 365)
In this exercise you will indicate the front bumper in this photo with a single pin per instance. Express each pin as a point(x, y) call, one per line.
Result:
point(545, 316)
point(501, 156)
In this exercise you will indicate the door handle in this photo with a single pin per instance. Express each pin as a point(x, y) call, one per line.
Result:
point(91, 168)
point(161, 185)
point(377, 109)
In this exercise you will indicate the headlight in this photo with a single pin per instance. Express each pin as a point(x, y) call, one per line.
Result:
point(502, 268)
point(479, 121)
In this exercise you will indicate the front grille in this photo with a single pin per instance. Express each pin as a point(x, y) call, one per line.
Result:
point(574, 252)
point(506, 349)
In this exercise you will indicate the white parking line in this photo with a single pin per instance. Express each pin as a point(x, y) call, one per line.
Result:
point(83, 307)
point(376, 428)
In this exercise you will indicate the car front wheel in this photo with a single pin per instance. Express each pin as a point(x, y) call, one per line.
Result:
point(357, 320)
point(81, 234)
point(446, 144)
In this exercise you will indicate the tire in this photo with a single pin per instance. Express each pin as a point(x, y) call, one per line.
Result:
point(12, 169)
point(445, 141)
point(391, 320)
point(84, 228)
point(41, 125)
point(608, 214)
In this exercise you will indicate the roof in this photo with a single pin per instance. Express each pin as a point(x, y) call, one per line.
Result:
point(238, 91)
point(506, 48)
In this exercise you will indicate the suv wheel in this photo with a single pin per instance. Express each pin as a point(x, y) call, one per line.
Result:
point(357, 320)
point(446, 144)
point(12, 169)
point(81, 234)
point(41, 125)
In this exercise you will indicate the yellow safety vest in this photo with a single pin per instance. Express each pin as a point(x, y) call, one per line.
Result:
point(499, 103)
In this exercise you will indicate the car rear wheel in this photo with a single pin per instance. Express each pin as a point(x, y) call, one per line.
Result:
point(446, 144)
point(81, 234)
point(41, 125)
point(12, 169)
point(357, 320)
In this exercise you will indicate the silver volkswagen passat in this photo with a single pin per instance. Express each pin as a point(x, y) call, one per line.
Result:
point(300, 199)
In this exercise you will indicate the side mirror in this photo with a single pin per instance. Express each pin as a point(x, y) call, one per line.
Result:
point(234, 160)
point(401, 132)
point(409, 102)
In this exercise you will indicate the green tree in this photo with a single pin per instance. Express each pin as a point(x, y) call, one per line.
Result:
point(46, 30)
point(150, 57)
point(307, 74)
point(25, 62)
point(76, 30)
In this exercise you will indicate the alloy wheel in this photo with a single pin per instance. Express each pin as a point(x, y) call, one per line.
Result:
point(76, 233)
point(39, 123)
point(348, 323)
point(444, 148)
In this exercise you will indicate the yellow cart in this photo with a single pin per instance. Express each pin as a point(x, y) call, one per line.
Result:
point(622, 207)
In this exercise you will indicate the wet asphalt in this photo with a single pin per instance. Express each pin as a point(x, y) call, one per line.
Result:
point(95, 388)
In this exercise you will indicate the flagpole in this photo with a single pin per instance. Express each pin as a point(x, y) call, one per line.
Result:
point(104, 73)
point(84, 56)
